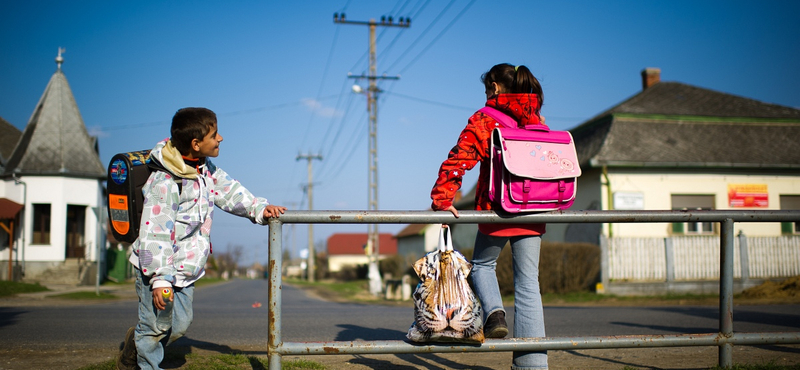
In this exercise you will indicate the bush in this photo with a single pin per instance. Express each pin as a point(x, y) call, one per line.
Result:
point(563, 268)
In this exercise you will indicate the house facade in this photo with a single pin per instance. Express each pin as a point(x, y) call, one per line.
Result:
point(349, 249)
point(54, 172)
point(675, 146)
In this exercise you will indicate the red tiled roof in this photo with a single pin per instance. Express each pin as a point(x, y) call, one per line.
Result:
point(339, 244)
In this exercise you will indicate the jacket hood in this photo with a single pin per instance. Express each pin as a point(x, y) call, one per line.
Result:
point(524, 108)
point(170, 158)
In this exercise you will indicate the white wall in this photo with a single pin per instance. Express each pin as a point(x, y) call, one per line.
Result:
point(59, 192)
point(657, 190)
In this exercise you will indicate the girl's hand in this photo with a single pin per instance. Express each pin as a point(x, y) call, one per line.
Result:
point(273, 211)
point(452, 210)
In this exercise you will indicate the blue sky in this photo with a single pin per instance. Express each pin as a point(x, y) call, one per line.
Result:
point(276, 74)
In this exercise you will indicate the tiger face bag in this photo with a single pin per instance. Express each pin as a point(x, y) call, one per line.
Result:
point(445, 308)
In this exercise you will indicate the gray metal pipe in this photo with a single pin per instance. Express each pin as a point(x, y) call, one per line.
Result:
point(537, 344)
point(468, 217)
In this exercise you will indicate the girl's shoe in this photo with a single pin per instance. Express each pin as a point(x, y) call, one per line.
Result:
point(496, 326)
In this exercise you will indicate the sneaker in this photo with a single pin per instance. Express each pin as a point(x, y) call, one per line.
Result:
point(495, 326)
point(127, 357)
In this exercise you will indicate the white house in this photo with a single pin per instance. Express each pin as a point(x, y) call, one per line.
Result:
point(54, 172)
point(674, 146)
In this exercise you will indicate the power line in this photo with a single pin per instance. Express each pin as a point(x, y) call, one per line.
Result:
point(438, 36)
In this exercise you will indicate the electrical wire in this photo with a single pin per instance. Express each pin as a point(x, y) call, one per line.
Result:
point(424, 32)
point(438, 36)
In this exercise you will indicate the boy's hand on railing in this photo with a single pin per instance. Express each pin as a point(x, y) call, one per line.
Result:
point(273, 211)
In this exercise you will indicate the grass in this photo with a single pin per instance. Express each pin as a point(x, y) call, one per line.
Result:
point(11, 288)
point(84, 295)
point(234, 361)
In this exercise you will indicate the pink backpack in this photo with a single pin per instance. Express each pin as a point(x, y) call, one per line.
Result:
point(532, 169)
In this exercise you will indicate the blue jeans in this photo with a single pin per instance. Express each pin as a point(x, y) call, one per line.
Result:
point(157, 329)
point(528, 311)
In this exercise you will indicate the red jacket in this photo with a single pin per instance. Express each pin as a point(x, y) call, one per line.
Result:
point(473, 148)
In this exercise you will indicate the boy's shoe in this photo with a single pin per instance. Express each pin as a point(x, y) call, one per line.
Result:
point(495, 326)
point(127, 357)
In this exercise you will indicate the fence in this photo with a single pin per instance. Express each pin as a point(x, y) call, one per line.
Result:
point(689, 258)
point(725, 339)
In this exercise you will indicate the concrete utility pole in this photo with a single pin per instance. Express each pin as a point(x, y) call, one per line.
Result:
point(373, 247)
point(310, 190)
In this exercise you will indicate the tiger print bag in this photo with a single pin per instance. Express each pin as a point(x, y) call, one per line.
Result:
point(445, 308)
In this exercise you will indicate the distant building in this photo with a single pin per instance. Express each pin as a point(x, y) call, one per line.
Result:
point(54, 172)
point(348, 249)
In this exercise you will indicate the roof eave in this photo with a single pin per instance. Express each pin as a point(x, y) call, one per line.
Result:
point(596, 163)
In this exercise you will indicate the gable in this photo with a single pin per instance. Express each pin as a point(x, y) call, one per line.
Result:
point(55, 140)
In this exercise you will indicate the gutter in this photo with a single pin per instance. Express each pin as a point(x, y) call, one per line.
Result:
point(609, 194)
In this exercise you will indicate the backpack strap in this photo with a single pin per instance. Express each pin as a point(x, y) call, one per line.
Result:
point(509, 122)
point(499, 116)
point(155, 165)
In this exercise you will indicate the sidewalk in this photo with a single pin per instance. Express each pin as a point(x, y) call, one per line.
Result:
point(121, 291)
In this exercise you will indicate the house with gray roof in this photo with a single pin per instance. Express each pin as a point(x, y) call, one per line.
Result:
point(675, 146)
point(54, 171)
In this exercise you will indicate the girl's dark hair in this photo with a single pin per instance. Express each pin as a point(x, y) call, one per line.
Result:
point(514, 80)
point(189, 124)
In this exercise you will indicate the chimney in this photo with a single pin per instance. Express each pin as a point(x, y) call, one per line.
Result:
point(650, 77)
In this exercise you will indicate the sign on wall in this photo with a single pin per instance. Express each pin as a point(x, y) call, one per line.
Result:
point(628, 200)
point(748, 195)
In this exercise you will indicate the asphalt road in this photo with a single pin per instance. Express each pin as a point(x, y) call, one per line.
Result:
point(233, 315)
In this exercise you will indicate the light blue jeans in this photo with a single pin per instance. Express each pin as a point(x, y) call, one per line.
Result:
point(528, 311)
point(157, 329)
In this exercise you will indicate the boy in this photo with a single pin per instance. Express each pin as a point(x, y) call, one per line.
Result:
point(173, 244)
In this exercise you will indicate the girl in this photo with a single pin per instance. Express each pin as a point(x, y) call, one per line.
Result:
point(516, 92)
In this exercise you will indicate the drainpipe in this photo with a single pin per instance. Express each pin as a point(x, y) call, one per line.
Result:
point(17, 181)
point(609, 195)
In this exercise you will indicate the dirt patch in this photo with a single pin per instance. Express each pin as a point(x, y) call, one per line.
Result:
point(787, 289)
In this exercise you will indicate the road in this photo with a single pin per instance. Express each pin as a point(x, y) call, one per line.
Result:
point(233, 316)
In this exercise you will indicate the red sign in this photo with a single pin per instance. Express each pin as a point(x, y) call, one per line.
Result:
point(748, 195)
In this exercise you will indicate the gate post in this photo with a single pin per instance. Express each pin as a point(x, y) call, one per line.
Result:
point(744, 258)
point(726, 292)
point(275, 268)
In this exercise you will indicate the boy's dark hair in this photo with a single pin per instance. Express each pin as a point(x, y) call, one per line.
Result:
point(189, 124)
point(516, 79)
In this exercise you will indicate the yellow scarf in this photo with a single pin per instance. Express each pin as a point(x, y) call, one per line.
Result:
point(173, 161)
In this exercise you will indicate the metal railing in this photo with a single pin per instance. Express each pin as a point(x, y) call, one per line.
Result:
point(724, 339)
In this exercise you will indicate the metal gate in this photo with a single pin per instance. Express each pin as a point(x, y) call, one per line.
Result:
point(725, 339)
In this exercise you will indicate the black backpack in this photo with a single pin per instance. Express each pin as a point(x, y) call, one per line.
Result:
point(127, 173)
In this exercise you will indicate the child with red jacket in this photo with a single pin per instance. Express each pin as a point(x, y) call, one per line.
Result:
point(516, 92)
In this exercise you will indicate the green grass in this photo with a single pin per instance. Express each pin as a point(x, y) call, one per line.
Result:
point(84, 295)
point(591, 297)
point(10, 288)
point(355, 290)
point(233, 361)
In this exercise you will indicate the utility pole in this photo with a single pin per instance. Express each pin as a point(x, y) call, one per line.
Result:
point(373, 246)
point(310, 189)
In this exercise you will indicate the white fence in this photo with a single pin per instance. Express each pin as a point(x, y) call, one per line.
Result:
point(696, 258)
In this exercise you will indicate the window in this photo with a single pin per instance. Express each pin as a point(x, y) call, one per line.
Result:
point(692, 202)
point(790, 202)
point(41, 224)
